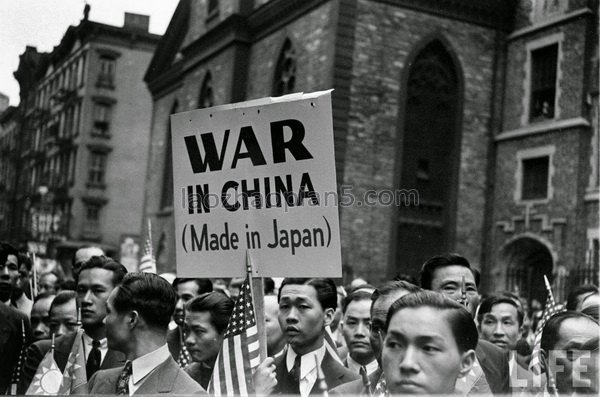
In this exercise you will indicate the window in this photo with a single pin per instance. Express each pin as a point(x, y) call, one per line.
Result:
point(102, 112)
point(107, 71)
point(92, 212)
point(543, 82)
point(535, 178)
point(97, 168)
point(213, 7)
point(285, 70)
point(206, 99)
point(80, 70)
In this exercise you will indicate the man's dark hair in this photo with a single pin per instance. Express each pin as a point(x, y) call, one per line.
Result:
point(552, 327)
point(269, 285)
point(43, 295)
point(406, 277)
point(592, 311)
point(460, 320)
point(392, 286)
point(432, 264)
point(579, 293)
point(61, 298)
point(219, 305)
point(6, 250)
point(204, 284)
point(23, 259)
point(358, 295)
point(489, 302)
point(325, 287)
point(68, 285)
point(150, 295)
point(104, 262)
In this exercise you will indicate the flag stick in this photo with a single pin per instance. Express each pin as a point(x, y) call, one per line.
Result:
point(150, 237)
point(258, 296)
point(35, 281)
point(549, 288)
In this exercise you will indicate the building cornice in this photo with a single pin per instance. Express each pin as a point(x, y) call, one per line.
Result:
point(495, 14)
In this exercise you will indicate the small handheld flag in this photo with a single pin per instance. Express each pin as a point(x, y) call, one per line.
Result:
point(550, 309)
point(148, 261)
point(239, 355)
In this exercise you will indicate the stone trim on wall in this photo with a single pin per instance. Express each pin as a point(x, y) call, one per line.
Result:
point(544, 127)
point(548, 23)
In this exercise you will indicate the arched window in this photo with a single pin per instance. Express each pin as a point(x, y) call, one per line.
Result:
point(166, 197)
point(285, 70)
point(429, 153)
point(206, 99)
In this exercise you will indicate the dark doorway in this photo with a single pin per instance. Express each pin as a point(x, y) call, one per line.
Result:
point(429, 157)
point(527, 261)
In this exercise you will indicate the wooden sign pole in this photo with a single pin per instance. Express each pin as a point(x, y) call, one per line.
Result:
point(258, 297)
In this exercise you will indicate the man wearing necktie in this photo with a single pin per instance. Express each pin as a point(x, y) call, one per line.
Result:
point(139, 312)
point(97, 278)
point(306, 307)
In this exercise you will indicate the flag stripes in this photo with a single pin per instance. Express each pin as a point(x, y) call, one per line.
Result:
point(550, 310)
point(239, 354)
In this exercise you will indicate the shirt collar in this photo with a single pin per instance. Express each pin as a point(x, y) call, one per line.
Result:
point(88, 341)
point(142, 366)
point(307, 361)
point(355, 367)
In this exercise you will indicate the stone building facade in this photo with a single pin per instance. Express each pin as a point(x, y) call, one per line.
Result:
point(86, 116)
point(435, 116)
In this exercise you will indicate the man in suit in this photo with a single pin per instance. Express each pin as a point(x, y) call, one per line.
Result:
point(11, 343)
point(381, 300)
point(11, 294)
point(187, 289)
point(429, 344)
point(306, 307)
point(139, 312)
point(500, 320)
point(97, 279)
point(445, 274)
point(356, 329)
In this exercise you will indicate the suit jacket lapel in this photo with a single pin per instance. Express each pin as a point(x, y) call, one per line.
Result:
point(113, 359)
point(332, 373)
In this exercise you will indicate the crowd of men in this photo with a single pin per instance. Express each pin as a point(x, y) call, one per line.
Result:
point(142, 334)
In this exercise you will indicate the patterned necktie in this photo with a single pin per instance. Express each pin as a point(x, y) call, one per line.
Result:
point(94, 359)
point(123, 380)
point(365, 379)
point(295, 375)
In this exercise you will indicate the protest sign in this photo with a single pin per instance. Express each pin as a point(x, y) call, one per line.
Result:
point(258, 176)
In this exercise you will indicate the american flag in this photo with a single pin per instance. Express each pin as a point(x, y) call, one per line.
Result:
point(550, 310)
point(239, 355)
point(148, 262)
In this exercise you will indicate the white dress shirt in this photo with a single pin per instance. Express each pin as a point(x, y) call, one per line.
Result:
point(143, 366)
point(87, 347)
point(355, 367)
point(308, 367)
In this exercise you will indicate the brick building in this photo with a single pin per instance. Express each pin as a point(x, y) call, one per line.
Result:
point(475, 105)
point(85, 115)
point(9, 128)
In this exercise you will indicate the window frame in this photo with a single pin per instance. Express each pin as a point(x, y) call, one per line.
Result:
point(528, 154)
point(532, 46)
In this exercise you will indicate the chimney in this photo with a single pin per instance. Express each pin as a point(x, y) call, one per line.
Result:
point(137, 22)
